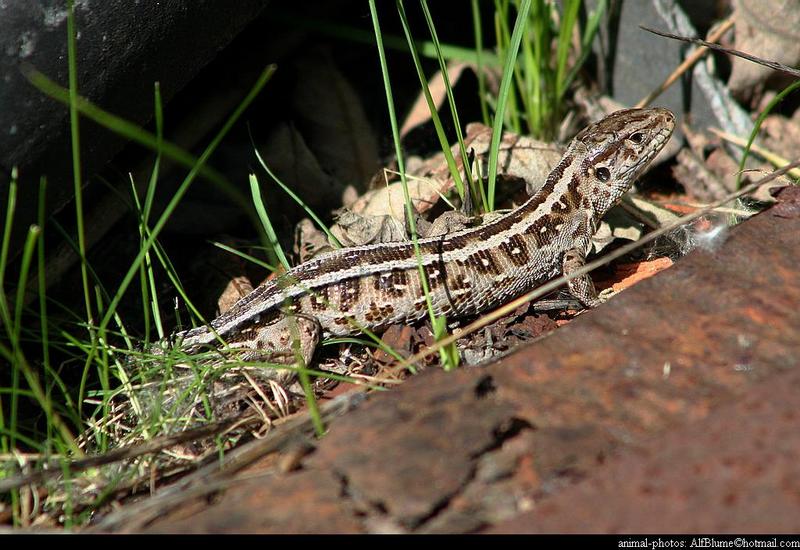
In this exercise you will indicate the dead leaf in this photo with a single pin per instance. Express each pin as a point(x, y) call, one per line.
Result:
point(519, 157)
point(333, 121)
point(286, 153)
point(354, 229)
point(236, 288)
point(781, 135)
point(390, 200)
point(697, 178)
point(656, 216)
point(420, 112)
point(607, 234)
point(767, 29)
point(309, 240)
point(398, 338)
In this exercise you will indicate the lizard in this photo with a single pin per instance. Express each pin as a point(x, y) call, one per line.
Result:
point(344, 291)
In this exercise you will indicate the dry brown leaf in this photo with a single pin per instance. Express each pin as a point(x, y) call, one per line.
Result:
point(236, 288)
point(607, 233)
point(333, 121)
point(697, 177)
point(390, 199)
point(767, 29)
point(309, 240)
point(287, 155)
point(420, 112)
point(781, 135)
point(354, 229)
point(519, 157)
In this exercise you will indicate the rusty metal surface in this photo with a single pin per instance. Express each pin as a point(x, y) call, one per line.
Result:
point(736, 471)
point(305, 502)
point(668, 360)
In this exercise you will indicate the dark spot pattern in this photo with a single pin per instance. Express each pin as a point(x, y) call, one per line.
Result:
point(391, 283)
point(543, 229)
point(434, 274)
point(378, 314)
point(483, 262)
point(349, 291)
point(516, 250)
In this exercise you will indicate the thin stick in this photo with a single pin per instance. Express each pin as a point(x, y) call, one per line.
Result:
point(693, 58)
point(738, 53)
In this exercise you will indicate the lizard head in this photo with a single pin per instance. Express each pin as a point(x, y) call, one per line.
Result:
point(617, 149)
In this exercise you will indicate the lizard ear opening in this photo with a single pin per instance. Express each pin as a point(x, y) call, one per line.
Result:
point(602, 173)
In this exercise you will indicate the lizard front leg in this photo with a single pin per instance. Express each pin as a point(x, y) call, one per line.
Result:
point(280, 342)
point(582, 286)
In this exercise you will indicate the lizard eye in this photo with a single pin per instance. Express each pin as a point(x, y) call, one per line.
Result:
point(636, 137)
point(602, 174)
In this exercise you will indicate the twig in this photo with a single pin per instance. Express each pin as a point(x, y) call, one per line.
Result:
point(118, 455)
point(771, 64)
point(687, 63)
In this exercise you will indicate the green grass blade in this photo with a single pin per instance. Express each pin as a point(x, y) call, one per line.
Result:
point(387, 86)
point(505, 87)
point(476, 195)
point(354, 34)
point(182, 189)
point(11, 205)
point(757, 126)
point(479, 59)
point(331, 237)
point(569, 18)
point(266, 223)
point(244, 256)
point(41, 279)
point(437, 122)
point(136, 134)
point(305, 381)
point(76, 159)
point(589, 33)
point(27, 257)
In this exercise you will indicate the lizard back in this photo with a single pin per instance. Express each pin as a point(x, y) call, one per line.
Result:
point(467, 271)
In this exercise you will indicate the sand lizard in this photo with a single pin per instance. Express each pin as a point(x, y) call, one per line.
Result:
point(467, 271)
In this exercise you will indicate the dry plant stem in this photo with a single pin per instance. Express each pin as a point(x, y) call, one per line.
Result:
point(590, 266)
point(730, 51)
point(215, 476)
point(768, 155)
point(687, 63)
point(125, 453)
